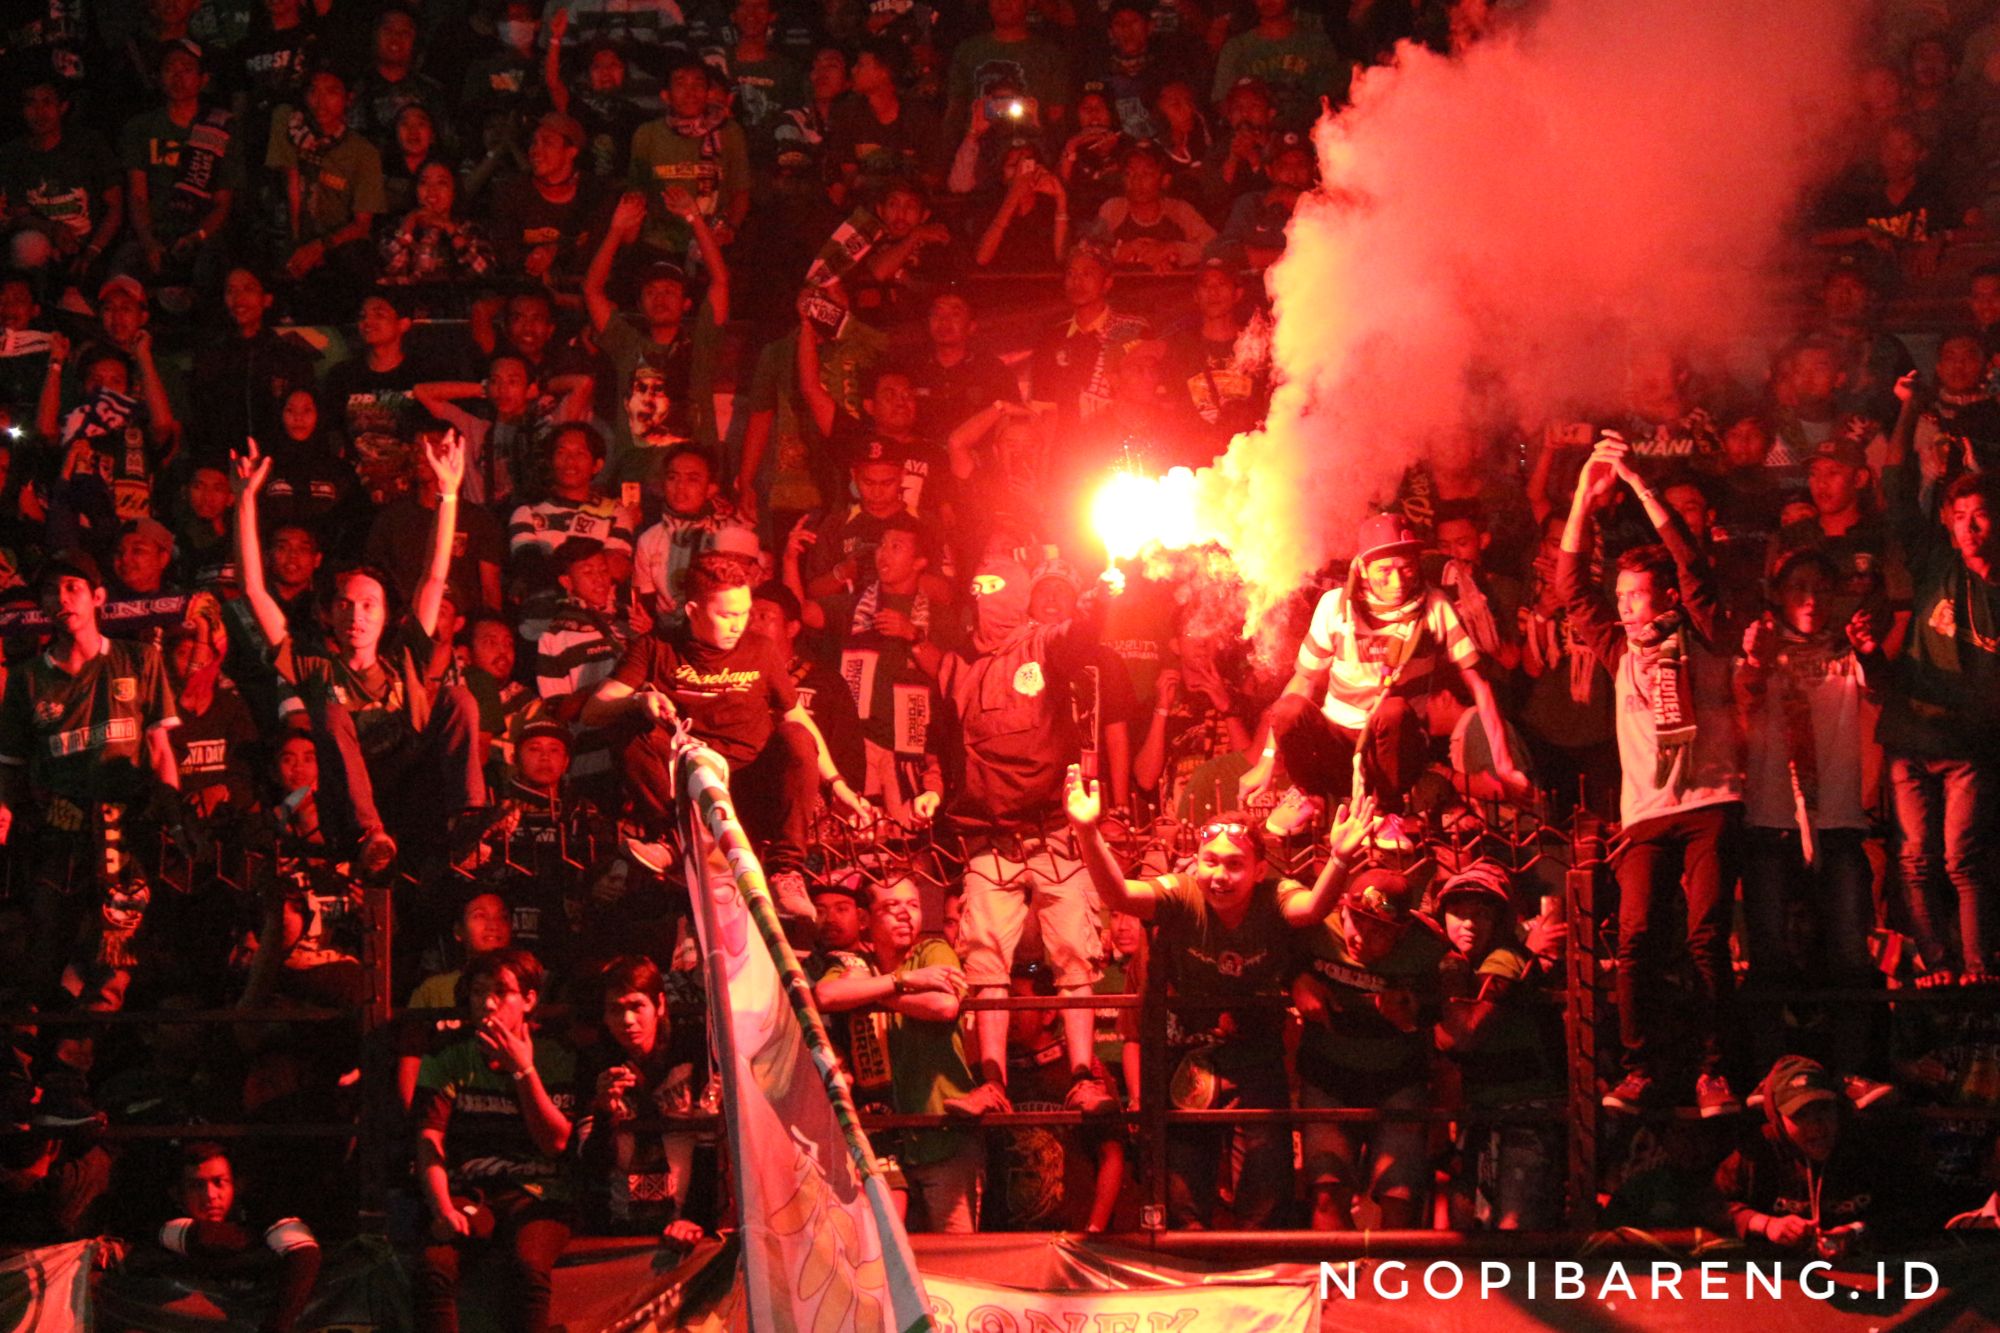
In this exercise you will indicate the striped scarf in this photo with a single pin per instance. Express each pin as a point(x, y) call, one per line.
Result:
point(1664, 643)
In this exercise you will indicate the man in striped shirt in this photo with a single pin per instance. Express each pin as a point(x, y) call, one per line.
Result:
point(1376, 648)
point(582, 644)
point(573, 508)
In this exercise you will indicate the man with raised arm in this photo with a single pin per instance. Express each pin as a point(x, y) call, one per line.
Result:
point(1681, 801)
point(1223, 930)
point(398, 744)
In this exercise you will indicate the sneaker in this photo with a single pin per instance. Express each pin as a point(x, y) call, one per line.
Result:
point(1714, 1096)
point(657, 857)
point(1634, 1094)
point(1294, 812)
point(986, 1099)
point(1393, 835)
point(1088, 1094)
point(1866, 1092)
point(788, 893)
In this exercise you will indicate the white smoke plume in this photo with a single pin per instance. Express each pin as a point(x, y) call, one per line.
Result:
point(1492, 223)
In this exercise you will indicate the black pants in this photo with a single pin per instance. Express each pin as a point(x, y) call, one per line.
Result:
point(775, 793)
point(427, 778)
point(1693, 852)
point(534, 1234)
point(1320, 756)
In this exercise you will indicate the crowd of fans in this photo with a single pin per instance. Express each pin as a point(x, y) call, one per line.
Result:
point(415, 415)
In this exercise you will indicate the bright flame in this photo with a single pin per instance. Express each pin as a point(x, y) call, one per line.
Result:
point(1132, 513)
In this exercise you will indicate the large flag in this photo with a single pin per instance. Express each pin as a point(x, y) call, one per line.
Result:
point(823, 1251)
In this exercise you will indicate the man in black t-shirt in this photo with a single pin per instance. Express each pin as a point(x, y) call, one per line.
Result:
point(735, 689)
point(402, 747)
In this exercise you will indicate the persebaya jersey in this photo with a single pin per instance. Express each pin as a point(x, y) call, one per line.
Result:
point(732, 697)
point(83, 736)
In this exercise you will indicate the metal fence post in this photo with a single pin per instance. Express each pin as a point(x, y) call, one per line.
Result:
point(1154, 1079)
point(380, 1111)
point(1580, 1017)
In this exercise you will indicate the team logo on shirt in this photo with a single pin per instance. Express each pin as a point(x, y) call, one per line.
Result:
point(48, 710)
point(1028, 680)
point(124, 689)
point(1944, 618)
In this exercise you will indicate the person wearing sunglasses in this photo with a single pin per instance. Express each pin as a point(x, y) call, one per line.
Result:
point(1224, 930)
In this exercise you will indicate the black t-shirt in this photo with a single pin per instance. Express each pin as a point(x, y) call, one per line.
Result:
point(906, 146)
point(947, 395)
point(379, 413)
point(523, 220)
point(212, 749)
point(731, 696)
point(926, 473)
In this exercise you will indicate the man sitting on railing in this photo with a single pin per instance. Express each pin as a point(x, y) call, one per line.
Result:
point(1223, 931)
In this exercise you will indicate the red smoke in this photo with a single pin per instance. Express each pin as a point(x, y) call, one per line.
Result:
point(1494, 225)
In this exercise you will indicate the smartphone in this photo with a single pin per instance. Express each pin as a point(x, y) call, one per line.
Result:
point(1001, 110)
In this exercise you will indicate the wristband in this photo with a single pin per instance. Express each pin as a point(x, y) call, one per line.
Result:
point(174, 1235)
point(1163, 712)
point(523, 1075)
point(1271, 751)
point(448, 499)
point(897, 981)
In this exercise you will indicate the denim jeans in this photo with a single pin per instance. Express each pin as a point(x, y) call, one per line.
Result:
point(1946, 810)
point(1692, 852)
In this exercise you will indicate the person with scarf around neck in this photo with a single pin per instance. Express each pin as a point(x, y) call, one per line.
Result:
point(1374, 649)
point(1681, 802)
point(1799, 686)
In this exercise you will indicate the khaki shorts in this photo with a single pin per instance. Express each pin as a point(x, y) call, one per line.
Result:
point(998, 895)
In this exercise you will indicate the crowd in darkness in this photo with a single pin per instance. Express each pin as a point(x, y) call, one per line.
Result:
point(415, 415)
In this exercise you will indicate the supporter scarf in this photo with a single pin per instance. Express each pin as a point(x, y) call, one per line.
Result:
point(870, 601)
point(1469, 600)
point(849, 244)
point(309, 146)
point(207, 144)
point(702, 127)
point(1802, 663)
point(1665, 644)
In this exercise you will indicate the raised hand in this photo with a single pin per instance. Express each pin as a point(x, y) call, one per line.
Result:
point(1906, 386)
point(1352, 824)
point(250, 470)
point(629, 216)
point(1082, 799)
point(447, 461)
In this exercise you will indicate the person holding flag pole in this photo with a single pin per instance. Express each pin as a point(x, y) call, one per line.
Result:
point(821, 1244)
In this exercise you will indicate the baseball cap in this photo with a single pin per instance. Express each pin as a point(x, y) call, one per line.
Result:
point(1381, 894)
point(879, 450)
point(574, 551)
point(548, 726)
point(1060, 570)
point(563, 126)
point(150, 529)
point(1385, 534)
point(123, 282)
point(78, 564)
point(1795, 1083)
point(1840, 449)
point(735, 539)
point(1484, 878)
point(1252, 83)
point(662, 270)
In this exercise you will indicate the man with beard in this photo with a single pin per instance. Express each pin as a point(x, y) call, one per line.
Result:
point(652, 366)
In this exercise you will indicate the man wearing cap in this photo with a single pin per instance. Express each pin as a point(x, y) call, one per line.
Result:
point(1505, 1043)
point(1681, 799)
point(542, 221)
point(837, 552)
point(1376, 648)
point(573, 508)
point(651, 363)
point(144, 555)
point(1807, 1179)
point(1368, 987)
point(1840, 485)
point(83, 743)
point(1223, 930)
